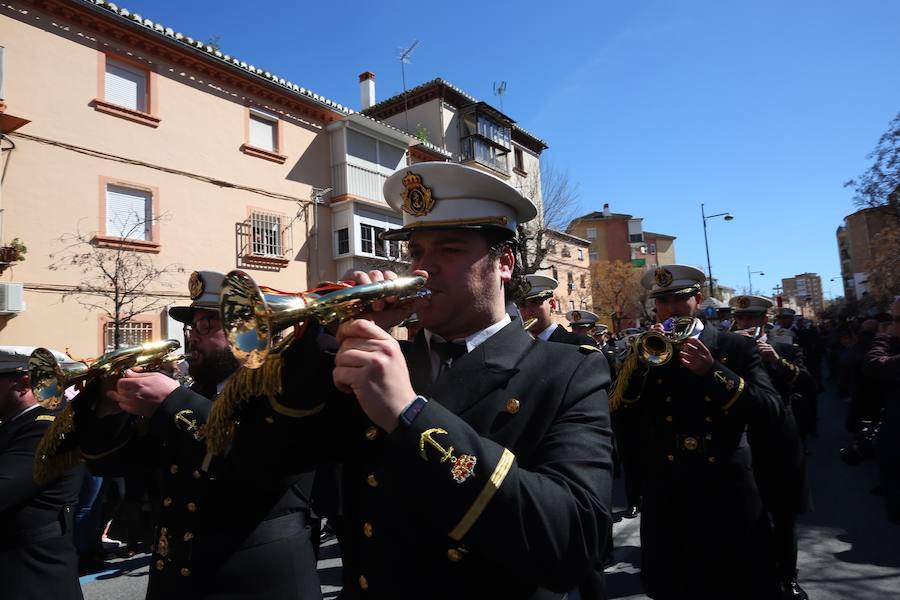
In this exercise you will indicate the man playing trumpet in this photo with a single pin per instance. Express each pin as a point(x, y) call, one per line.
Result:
point(476, 460)
point(704, 532)
point(227, 527)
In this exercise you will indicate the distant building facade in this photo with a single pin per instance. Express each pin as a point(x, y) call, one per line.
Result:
point(855, 240)
point(806, 290)
point(568, 263)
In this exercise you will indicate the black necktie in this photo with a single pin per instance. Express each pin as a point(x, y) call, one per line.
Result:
point(448, 352)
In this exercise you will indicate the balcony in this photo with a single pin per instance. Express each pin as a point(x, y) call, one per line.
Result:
point(483, 151)
point(262, 242)
point(359, 182)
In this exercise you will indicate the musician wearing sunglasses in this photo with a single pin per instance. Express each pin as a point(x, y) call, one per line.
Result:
point(779, 458)
point(476, 460)
point(704, 531)
point(227, 528)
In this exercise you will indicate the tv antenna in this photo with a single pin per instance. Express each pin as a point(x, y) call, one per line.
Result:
point(499, 90)
point(404, 60)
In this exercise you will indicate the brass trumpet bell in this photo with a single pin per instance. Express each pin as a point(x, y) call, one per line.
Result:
point(253, 318)
point(50, 379)
point(656, 348)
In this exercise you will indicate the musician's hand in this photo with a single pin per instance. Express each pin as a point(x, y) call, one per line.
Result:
point(695, 356)
point(657, 327)
point(371, 366)
point(106, 404)
point(383, 312)
point(142, 393)
point(767, 352)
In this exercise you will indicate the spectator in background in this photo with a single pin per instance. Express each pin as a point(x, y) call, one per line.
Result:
point(882, 363)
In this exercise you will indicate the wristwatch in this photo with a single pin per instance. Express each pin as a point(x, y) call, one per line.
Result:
point(412, 411)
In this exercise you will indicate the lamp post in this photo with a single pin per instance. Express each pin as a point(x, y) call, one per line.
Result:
point(750, 279)
point(706, 217)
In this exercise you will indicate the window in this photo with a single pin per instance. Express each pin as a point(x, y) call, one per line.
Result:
point(593, 255)
point(125, 86)
point(263, 131)
point(266, 234)
point(584, 304)
point(343, 241)
point(129, 213)
point(583, 282)
point(371, 244)
point(636, 237)
point(652, 247)
point(520, 160)
point(592, 233)
point(483, 138)
point(566, 251)
point(580, 254)
point(555, 273)
point(131, 333)
point(551, 245)
point(571, 305)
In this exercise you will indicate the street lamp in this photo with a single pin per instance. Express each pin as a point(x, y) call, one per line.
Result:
point(750, 279)
point(727, 217)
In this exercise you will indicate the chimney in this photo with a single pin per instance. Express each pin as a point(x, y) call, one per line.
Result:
point(606, 210)
point(366, 90)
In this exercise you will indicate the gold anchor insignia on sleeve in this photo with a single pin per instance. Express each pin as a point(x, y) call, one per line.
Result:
point(463, 465)
point(184, 421)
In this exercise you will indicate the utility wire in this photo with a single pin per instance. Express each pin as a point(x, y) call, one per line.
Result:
point(170, 170)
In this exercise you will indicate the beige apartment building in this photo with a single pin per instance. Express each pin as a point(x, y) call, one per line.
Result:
point(144, 139)
point(568, 263)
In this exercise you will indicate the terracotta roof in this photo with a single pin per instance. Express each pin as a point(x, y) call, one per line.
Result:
point(375, 108)
point(162, 31)
point(566, 235)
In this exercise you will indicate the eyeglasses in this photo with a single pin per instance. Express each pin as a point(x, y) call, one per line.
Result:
point(202, 327)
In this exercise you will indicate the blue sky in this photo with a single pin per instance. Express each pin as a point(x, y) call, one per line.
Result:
point(759, 108)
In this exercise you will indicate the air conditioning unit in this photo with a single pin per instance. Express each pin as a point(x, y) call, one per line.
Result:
point(12, 298)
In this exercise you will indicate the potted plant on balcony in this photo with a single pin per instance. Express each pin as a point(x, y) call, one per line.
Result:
point(12, 252)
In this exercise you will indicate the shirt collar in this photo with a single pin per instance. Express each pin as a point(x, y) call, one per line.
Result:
point(545, 334)
point(477, 338)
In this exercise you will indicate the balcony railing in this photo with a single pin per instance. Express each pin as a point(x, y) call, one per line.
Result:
point(357, 181)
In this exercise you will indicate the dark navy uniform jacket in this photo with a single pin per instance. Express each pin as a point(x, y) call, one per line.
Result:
point(231, 526)
point(779, 459)
point(500, 488)
point(563, 336)
point(704, 531)
point(37, 557)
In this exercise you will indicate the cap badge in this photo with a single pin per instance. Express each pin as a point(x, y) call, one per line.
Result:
point(417, 200)
point(576, 316)
point(743, 301)
point(195, 285)
point(663, 277)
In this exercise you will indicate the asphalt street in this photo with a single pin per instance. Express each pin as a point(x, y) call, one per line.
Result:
point(848, 550)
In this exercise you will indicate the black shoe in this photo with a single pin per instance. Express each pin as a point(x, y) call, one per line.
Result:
point(633, 512)
point(793, 591)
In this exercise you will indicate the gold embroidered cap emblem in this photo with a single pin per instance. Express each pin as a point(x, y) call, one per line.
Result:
point(195, 285)
point(576, 316)
point(743, 301)
point(417, 200)
point(663, 277)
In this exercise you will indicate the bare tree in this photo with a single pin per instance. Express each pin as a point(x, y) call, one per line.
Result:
point(880, 184)
point(556, 198)
point(116, 280)
point(618, 291)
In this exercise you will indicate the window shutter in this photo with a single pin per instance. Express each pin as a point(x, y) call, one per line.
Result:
point(125, 209)
point(262, 133)
point(126, 86)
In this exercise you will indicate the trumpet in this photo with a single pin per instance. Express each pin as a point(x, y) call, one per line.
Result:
point(252, 316)
point(49, 378)
point(753, 333)
point(656, 348)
